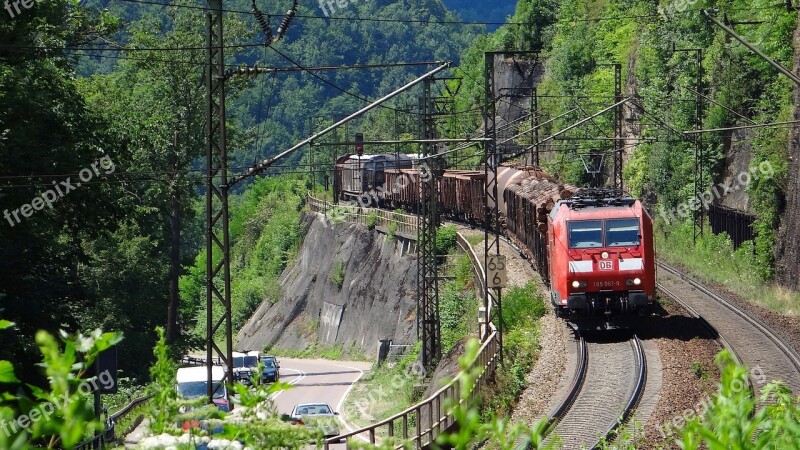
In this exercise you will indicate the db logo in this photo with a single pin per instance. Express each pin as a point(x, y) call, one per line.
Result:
point(606, 265)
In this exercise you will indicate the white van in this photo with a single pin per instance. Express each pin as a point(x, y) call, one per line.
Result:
point(244, 365)
point(193, 383)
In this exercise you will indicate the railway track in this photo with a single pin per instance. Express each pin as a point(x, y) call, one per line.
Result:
point(609, 380)
point(755, 344)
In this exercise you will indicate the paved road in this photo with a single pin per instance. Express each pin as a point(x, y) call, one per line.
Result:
point(318, 380)
point(314, 380)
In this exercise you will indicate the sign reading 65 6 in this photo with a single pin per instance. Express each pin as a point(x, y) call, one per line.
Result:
point(496, 271)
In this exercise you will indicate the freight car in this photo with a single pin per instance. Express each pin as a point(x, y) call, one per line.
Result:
point(593, 247)
point(362, 177)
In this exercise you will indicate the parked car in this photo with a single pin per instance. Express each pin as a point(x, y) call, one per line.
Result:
point(244, 366)
point(317, 416)
point(193, 383)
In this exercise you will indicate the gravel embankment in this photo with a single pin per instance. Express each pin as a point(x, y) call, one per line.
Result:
point(687, 352)
point(549, 373)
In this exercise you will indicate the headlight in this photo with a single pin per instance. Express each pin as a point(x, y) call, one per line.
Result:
point(576, 284)
point(637, 281)
point(604, 255)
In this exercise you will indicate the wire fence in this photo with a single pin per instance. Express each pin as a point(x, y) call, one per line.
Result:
point(396, 222)
point(737, 224)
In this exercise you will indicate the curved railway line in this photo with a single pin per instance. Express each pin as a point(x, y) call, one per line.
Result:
point(604, 392)
point(611, 375)
point(755, 344)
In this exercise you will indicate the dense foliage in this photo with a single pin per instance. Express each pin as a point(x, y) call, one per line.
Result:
point(580, 38)
point(110, 253)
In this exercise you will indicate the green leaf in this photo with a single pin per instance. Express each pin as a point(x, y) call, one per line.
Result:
point(7, 373)
point(5, 324)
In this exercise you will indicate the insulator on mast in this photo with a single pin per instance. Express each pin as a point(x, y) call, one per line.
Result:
point(287, 20)
point(264, 22)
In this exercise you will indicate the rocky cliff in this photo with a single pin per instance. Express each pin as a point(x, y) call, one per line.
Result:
point(348, 286)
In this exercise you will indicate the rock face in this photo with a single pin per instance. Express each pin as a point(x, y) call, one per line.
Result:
point(376, 300)
point(788, 251)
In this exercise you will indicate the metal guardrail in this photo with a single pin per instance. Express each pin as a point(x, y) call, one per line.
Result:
point(108, 435)
point(194, 361)
point(405, 224)
point(424, 422)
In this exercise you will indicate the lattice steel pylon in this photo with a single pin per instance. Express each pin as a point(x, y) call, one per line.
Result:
point(619, 144)
point(217, 236)
point(492, 298)
point(428, 323)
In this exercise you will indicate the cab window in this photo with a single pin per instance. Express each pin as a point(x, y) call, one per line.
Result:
point(585, 234)
point(622, 232)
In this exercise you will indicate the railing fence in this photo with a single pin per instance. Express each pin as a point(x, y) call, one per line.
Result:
point(423, 422)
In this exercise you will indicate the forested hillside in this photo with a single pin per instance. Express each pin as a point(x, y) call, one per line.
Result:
point(656, 43)
point(481, 11)
point(110, 251)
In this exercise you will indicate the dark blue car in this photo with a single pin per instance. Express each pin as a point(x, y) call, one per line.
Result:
point(271, 369)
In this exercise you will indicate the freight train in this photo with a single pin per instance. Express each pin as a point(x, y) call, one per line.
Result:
point(593, 247)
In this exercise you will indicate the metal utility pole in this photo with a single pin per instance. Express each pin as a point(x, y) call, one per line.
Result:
point(535, 127)
point(619, 144)
point(428, 323)
point(698, 213)
point(218, 267)
point(492, 298)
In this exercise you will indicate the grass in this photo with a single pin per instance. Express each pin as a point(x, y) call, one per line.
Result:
point(317, 350)
point(714, 260)
point(474, 239)
point(383, 392)
point(127, 423)
point(522, 309)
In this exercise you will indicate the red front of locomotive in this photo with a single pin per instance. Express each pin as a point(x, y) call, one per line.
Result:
point(601, 257)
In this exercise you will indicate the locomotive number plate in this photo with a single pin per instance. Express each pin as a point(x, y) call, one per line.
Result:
point(605, 264)
point(607, 284)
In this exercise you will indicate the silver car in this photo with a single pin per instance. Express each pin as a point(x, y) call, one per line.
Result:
point(317, 416)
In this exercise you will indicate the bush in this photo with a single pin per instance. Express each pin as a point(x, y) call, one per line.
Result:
point(445, 239)
point(337, 273)
point(522, 305)
point(732, 421)
point(372, 220)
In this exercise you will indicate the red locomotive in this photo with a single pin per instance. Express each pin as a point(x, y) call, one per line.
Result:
point(600, 248)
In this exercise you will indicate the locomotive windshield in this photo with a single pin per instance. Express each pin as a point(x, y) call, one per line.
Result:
point(606, 233)
point(622, 232)
point(585, 234)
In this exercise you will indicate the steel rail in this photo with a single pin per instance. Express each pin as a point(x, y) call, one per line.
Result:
point(779, 342)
